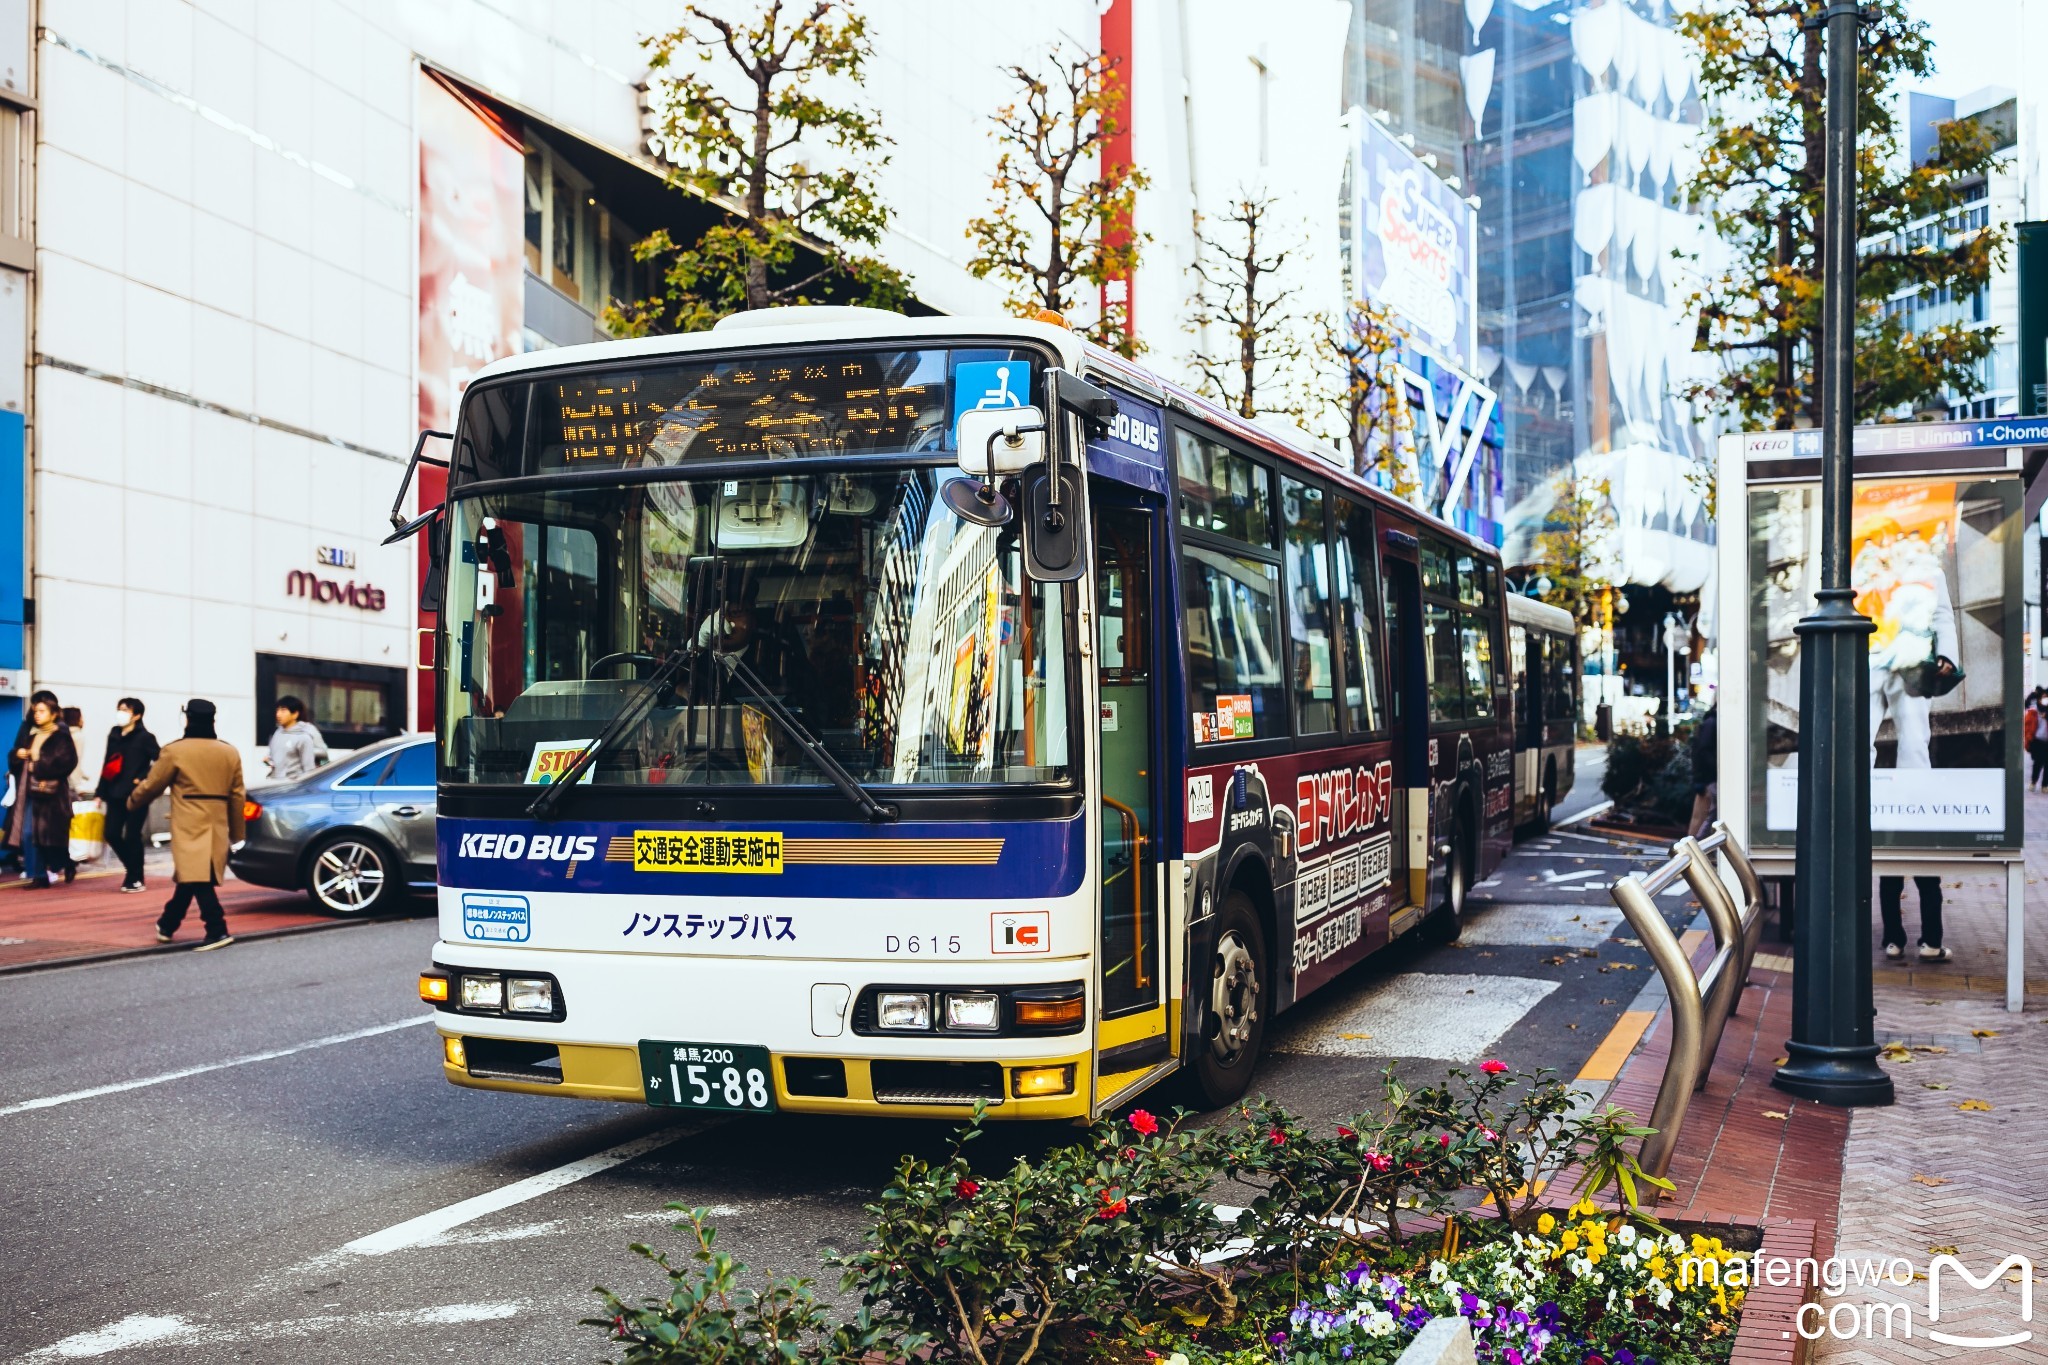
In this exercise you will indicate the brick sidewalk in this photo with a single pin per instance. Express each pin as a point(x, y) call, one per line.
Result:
point(1913, 1179)
point(93, 918)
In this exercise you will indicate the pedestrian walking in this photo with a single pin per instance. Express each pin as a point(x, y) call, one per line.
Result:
point(1890, 891)
point(203, 774)
point(40, 823)
point(1706, 788)
point(296, 745)
point(17, 789)
point(2034, 735)
point(131, 752)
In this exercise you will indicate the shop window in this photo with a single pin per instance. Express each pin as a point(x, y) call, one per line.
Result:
point(352, 704)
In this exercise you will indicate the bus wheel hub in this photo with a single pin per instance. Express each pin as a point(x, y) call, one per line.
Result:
point(1233, 997)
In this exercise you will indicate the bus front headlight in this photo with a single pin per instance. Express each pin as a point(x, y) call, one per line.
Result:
point(974, 1011)
point(483, 992)
point(903, 1011)
point(529, 995)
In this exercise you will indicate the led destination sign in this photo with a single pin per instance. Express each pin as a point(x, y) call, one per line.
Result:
point(772, 406)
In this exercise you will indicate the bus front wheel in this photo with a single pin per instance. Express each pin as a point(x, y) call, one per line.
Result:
point(1234, 1010)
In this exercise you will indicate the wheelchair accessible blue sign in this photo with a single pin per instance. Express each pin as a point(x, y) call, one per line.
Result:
point(981, 384)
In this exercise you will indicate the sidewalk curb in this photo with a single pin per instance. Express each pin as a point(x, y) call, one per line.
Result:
point(1769, 1328)
point(155, 949)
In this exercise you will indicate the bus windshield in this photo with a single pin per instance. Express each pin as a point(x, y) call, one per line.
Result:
point(907, 641)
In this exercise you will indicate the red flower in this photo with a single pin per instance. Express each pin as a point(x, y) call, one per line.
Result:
point(1344, 1132)
point(1489, 1135)
point(967, 1189)
point(1112, 1204)
point(1493, 1068)
point(1379, 1162)
point(1144, 1123)
point(1129, 1154)
point(1443, 1139)
point(1278, 1138)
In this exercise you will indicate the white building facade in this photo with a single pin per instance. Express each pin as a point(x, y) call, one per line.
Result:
point(242, 300)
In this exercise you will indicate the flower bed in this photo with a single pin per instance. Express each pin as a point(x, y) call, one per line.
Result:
point(1335, 1246)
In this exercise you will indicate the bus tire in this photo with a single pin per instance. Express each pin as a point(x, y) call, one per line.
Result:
point(1239, 985)
point(1546, 798)
point(1447, 921)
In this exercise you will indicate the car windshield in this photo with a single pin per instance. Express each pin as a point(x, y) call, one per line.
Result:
point(907, 641)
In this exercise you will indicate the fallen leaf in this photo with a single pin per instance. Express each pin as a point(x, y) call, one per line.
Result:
point(1980, 1106)
point(1610, 1002)
point(1895, 1052)
point(1928, 1047)
point(1625, 967)
point(1356, 1037)
point(1588, 952)
point(1924, 1002)
point(1983, 1033)
point(1930, 1180)
point(1483, 953)
point(1935, 1085)
point(1774, 1113)
point(1782, 1061)
point(1630, 942)
point(1939, 1251)
point(1553, 962)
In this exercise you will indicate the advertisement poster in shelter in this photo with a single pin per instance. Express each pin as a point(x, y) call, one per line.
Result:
point(472, 267)
point(1934, 565)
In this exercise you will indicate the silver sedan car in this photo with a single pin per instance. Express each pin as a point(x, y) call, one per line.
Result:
point(355, 836)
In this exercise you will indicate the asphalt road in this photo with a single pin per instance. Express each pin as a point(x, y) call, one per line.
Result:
point(293, 1197)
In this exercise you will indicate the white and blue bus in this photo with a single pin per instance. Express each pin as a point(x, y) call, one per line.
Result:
point(844, 712)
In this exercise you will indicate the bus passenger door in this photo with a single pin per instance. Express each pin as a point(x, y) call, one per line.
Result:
point(1407, 670)
point(1131, 1035)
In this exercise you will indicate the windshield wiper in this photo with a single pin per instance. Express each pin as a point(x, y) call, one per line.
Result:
point(631, 713)
point(814, 750)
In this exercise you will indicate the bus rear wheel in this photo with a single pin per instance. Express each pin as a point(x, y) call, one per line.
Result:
point(1546, 798)
point(1447, 921)
point(1234, 1008)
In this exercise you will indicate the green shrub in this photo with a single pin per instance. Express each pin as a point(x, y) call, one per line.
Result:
point(1649, 777)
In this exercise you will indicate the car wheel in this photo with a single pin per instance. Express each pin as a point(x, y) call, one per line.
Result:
point(1234, 1012)
point(352, 874)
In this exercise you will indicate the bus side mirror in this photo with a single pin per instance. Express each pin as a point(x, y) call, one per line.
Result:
point(1054, 523)
point(434, 584)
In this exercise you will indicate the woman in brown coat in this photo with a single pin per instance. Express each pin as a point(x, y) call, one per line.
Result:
point(204, 777)
point(42, 807)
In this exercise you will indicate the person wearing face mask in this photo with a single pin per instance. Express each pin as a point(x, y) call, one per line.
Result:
point(41, 820)
point(131, 752)
point(203, 774)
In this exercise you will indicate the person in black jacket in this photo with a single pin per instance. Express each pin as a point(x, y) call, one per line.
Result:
point(1706, 788)
point(131, 752)
point(17, 848)
point(41, 820)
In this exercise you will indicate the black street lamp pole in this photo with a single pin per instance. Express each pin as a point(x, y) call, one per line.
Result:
point(1833, 1048)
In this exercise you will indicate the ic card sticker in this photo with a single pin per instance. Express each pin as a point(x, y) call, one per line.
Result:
point(1013, 932)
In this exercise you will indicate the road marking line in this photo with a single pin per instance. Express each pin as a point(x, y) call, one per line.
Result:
point(1614, 1049)
point(137, 1329)
point(1555, 878)
point(51, 1101)
point(417, 1231)
point(1588, 813)
point(143, 1330)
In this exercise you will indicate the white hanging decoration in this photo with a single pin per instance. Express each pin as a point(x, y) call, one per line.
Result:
point(1594, 32)
point(1677, 68)
point(1522, 375)
point(1593, 218)
point(1476, 14)
point(1593, 119)
point(1477, 71)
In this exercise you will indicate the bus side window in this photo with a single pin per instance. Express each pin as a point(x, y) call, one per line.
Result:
point(1359, 606)
point(1306, 524)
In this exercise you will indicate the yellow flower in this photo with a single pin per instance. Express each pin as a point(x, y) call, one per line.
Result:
point(1545, 1224)
point(1569, 1241)
point(1658, 1265)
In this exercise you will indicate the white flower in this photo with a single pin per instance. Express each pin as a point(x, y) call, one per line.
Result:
point(1627, 1236)
point(1664, 1297)
point(1437, 1271)
point(1628, 1259)
point(1380, 1324)
point(1177, 1358)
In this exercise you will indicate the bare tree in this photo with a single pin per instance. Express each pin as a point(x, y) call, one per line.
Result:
point(1369, 396)
point(1060, 216)
point(1237, 290)
point(750, 158)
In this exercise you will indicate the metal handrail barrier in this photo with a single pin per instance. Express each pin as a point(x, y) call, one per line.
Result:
point(1700, 1002)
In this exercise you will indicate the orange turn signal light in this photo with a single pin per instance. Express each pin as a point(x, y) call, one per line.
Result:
point(1031, 1082)
point(433, 989)
point(1050, 1013)
point(452, 1049)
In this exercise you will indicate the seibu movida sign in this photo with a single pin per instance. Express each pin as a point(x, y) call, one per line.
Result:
point(362, 596)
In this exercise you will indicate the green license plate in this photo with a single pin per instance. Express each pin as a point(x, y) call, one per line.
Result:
point(722, 1076)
